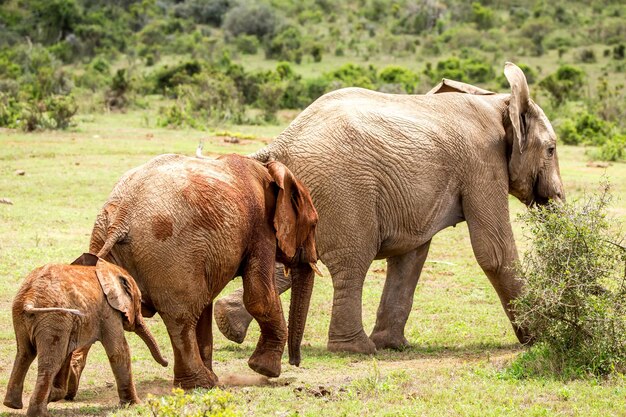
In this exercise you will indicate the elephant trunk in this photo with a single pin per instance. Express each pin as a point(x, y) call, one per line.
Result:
point(142, 331)
point(301, 290)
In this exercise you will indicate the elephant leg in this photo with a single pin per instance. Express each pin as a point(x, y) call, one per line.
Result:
point(262, 302)
point(204, 336)
point(231, 316)
point(494, 247)
point(59, 385)
point(23, 358)
point(118, 352)
point(76, 367)
point(52, 352)
point(189, 369)
point(403, 273)
point(346, 332)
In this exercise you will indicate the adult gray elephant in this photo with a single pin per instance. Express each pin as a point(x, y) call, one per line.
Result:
point(387, 172)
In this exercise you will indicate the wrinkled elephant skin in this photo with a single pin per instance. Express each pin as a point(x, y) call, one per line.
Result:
point(387, 172)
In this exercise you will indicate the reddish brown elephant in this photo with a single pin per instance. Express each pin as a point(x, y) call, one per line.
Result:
point(186, 227)
point(61, 308)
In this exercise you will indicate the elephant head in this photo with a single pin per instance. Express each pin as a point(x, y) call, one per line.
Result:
point(123, 294)
point(295, 220)
point(533, 164)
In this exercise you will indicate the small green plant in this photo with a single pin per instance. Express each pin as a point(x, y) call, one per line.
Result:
point(574, 299)
point(199, 403)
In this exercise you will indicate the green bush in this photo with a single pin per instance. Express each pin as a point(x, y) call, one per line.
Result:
point(177, 115)
point(574, 298)
point(54, 112)
point(613, 149)
point(247, 44)
point(482, 16)
point(565, 84)
point(352, 75)
point(587, 55)
point(10, 110)
point(286, 45)
point(116, 97)
point(470, 70)
point(167, 78)
point(395, 74)
point(250, 18)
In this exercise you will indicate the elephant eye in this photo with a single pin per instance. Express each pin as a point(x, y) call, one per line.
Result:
point(551, 152)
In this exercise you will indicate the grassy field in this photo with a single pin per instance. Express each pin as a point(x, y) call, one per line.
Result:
point(461, 342)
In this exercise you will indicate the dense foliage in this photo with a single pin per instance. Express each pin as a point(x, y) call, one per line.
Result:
point(574, 302)
point(55, 53)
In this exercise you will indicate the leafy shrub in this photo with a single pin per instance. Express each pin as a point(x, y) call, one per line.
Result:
point(168, 78)
point(10, 110)
point(177, 115)
point(482, 16)
point(394, 74)
point(54, 112)
point(613, 149)
point(574, 298)
point(536, 30)
point(565, 84)
point(467, 70)
point(419, 17)
point(207, 96)
point(587, 55)
point(247, 44)
point(203, 11)
point(316, 52)
point(116, 97)
point(250, 18)
point(352, 75)
point(286, 45)
point(212, 403)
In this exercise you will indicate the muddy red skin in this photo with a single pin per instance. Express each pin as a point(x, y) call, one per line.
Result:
point(185, 227)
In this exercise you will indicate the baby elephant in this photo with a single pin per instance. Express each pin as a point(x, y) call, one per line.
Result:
point(61, 308)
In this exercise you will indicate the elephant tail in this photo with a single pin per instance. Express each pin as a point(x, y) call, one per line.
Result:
point(111, 227)
point(113, 237)
point(29, 308)
point(263, 155)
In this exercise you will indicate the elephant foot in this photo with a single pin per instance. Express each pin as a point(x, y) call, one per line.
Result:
point(266, 363)
point(14, 402)
point(56, 394)
point(232, 319)
point(205, 379)
point(386, 340)
point(37, 410)
point(359, 344)
point(130, 401)
point(523, 336)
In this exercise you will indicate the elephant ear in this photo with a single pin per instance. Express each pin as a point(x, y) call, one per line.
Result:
point(118, 290)
point(451, 86)
point(518, 104)
point(295, 217)
point(86, 259)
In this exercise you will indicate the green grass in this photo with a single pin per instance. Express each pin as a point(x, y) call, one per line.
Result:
point(461, 342)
